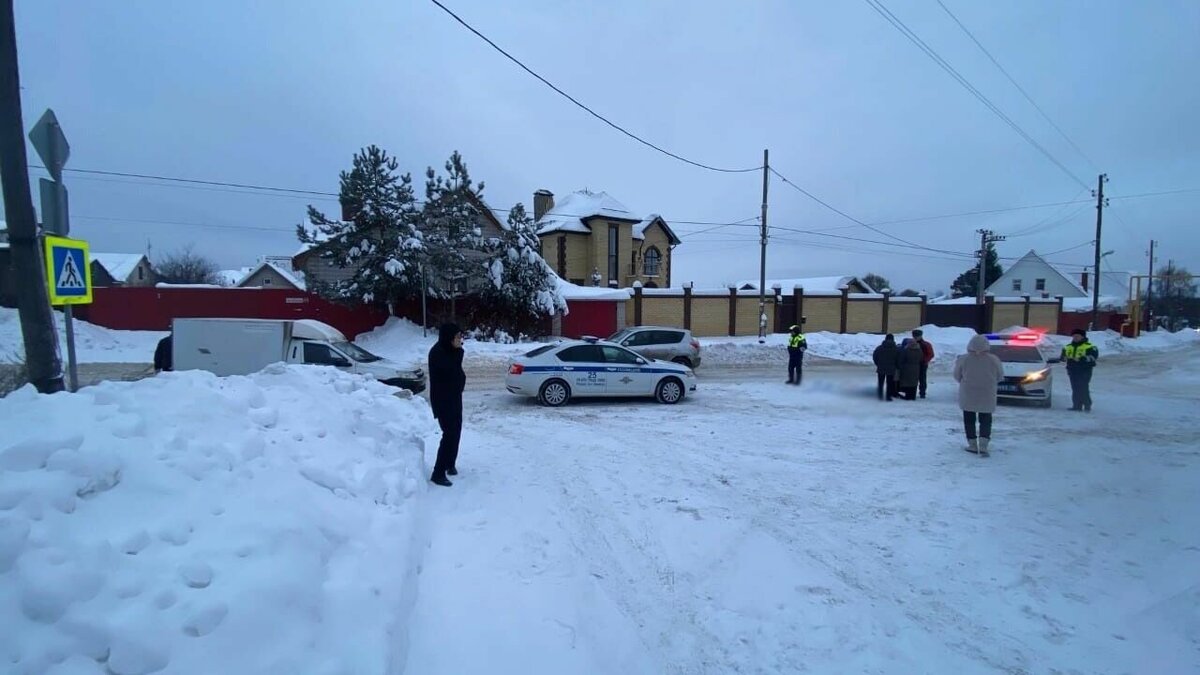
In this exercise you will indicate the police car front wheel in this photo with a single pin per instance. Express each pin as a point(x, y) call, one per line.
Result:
point(669, 391)
point(554, 393)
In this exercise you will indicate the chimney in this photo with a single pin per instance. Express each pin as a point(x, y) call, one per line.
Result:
point(1084, 283)
point(543, 203)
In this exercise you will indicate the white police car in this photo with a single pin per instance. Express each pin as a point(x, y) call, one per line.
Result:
point(1027, 373)
point(593, 368)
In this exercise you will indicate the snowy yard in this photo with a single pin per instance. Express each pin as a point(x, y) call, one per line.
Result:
point(282, 522)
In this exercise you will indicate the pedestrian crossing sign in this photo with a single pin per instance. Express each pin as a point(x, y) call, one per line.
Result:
point(68, 271)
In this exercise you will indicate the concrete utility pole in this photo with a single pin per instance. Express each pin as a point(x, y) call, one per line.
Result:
point(1150, 288)
point(762, 265)
point(33, 297)
point(1100, 204)
point(985, 237)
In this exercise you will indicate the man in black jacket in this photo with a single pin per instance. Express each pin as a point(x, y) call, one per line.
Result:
point(886, 357)
point(162, 355)
point(446, 383)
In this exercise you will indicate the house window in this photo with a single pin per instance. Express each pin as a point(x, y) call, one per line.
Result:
point(141, 273)
point(653, 262)
point(614, 272)
point(266, 281)
point(1016, 284)
point(1040, 284)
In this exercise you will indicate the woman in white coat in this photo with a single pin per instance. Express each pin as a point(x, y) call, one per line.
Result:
point(977, 373)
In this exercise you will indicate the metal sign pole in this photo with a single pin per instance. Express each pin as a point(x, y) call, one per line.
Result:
point(72, 371)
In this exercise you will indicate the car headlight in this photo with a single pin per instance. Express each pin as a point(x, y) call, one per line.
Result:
point(1036, 376)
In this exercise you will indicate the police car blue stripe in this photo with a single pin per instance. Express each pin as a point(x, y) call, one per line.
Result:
point(597, 369)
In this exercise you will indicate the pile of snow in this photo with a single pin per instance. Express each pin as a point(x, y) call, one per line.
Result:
point(93, 344)
point(403, 341)
point(190, 524)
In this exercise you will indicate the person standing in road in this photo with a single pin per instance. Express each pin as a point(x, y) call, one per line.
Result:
point(908, 374)
point(797, 345)
point(926, 358)
point(1080, 357)
point(446, 384)
point(162, 355)
point(886, 356)
point(977, 373)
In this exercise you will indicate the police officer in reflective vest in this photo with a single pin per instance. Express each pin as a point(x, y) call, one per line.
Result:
point(1080, 357)
point(797, 344)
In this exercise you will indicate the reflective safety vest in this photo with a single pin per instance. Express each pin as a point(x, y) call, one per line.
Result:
point(797, 341)
point(1080, 352)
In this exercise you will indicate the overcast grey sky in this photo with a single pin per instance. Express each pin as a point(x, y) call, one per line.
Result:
point(283, 93)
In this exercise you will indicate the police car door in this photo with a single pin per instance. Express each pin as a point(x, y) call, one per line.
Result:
point(585, 370)
point(625, 375)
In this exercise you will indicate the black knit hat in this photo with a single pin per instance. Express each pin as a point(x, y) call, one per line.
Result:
point(1080, 332)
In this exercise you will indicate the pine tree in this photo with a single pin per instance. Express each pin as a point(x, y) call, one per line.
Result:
point(450, 223)
point(967, 283)
point(521, 286)
point(380, 242)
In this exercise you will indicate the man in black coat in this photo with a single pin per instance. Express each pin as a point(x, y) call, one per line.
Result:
point(886, 357)
point(162, 355)
point(446, 383)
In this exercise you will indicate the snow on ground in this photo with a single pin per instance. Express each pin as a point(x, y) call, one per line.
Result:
point(763, 528)
point(190, 524)
point(403, 341)
point(93, 344)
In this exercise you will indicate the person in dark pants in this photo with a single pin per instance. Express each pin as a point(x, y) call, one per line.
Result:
point(446, 383)
point(886, 357)
point(1080, 357)
point(977, 373)
point(162, 355)
point(908, 369)
point(926, 358)
point(797, 345)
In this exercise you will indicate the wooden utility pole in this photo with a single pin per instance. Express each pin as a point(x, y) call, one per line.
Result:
point(985, 237)
point(762, 264)
point(33, 298)
point(1149, 289)
point(1100, 204)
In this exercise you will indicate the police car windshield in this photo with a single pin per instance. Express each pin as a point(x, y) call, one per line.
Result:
point(1014, 354)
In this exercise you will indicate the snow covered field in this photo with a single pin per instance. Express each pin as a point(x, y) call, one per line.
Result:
point(282, 523)
point(93, 344)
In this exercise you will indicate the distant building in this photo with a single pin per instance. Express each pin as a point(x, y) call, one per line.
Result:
point(590, 239)
point(122, 269)
point(1033, 276)
point(273, 272)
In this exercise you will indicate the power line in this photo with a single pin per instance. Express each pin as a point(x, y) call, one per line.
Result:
point(869, 241)
point(196, 181)
point(847, 216)
point(899, 25)
point(1156, 194)
point(591, 112)
point(1019, 87)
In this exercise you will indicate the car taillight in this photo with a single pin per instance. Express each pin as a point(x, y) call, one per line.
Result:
point(516, 369)
point(696, 345)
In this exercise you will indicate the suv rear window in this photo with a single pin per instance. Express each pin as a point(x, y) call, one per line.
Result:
point(667, 337)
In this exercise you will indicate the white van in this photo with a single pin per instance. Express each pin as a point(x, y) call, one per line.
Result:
point(244, 346)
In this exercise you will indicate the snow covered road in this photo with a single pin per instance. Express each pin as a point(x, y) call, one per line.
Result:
point(761, 528)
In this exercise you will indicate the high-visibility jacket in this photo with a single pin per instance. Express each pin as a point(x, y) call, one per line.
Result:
point(797, 344)
point(1080, 356)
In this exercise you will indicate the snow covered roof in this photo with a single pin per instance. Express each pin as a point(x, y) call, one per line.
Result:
point(572, 292)
point(294, 278)
point(233, 277)
point(809, 284)
point(639, 230)
point(118, 265)
point(569, 214)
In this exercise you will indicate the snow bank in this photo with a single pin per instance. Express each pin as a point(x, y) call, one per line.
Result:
point(194, 524)
point(93, 344)
point(403, 341)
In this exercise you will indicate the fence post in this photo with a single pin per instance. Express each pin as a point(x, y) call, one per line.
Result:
point(887, 308)
point(1058, 319)
point(1026, 324)
point(687, 305)
point(798, 294)
point(733, 298)
point(637, 303)
point(776, 314)
point(845, 308)
point(924, 303)
point(989, 313)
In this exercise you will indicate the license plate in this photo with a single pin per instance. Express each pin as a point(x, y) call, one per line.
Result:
point(1009, 389)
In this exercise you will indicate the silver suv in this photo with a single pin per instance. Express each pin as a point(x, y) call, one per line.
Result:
point(663, 344)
